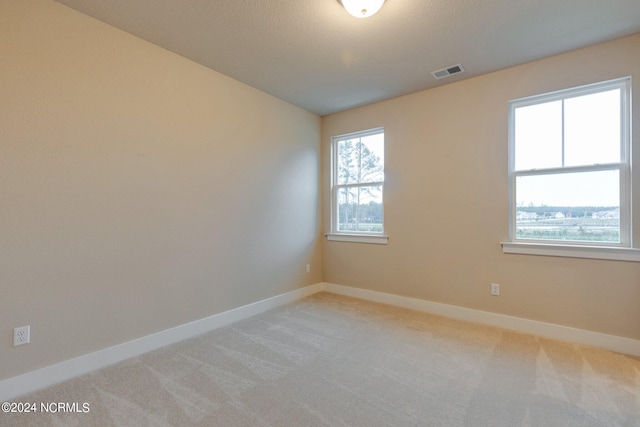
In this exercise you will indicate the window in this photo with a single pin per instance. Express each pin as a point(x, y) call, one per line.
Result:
point(569, 167)
point(357, 186)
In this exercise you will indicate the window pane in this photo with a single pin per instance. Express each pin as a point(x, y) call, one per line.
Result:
point(360, 209)
point(582, 206)
point(538, 136)
point(361, 160)
point(592, 129)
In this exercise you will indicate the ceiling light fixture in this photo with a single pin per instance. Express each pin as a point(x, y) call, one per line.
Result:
point(362, 8)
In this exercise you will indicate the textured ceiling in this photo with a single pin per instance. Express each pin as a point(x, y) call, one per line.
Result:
point(313, 54)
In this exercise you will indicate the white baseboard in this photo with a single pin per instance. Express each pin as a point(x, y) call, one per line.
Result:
point(563, 333)
point(35, 380)
point(31, 381)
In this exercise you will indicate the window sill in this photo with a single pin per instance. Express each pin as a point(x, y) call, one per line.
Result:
point(359, 238)
point(572, 251)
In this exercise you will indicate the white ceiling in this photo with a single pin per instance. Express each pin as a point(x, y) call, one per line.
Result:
point(313, 54)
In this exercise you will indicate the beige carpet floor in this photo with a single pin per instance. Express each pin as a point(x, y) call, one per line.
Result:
point(329, 360)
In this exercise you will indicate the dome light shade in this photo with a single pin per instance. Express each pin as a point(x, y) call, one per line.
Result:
point(362, 8)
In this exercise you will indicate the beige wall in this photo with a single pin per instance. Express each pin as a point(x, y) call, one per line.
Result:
point(446, 202)
point(139, 190)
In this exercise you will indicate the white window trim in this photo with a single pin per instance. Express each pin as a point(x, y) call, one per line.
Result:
point(357, 237)
point(624, 250)
point(572, 251)
point(376, 239)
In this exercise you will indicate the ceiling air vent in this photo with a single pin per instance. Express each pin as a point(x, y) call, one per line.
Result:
point(449, 71)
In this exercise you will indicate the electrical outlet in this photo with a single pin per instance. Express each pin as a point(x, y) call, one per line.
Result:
point(495, 289)
point(308, 268)
point(21, 335)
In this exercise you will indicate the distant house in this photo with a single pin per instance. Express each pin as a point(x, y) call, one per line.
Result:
point(612, 214)
point(521, 215)
point(558, 215)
